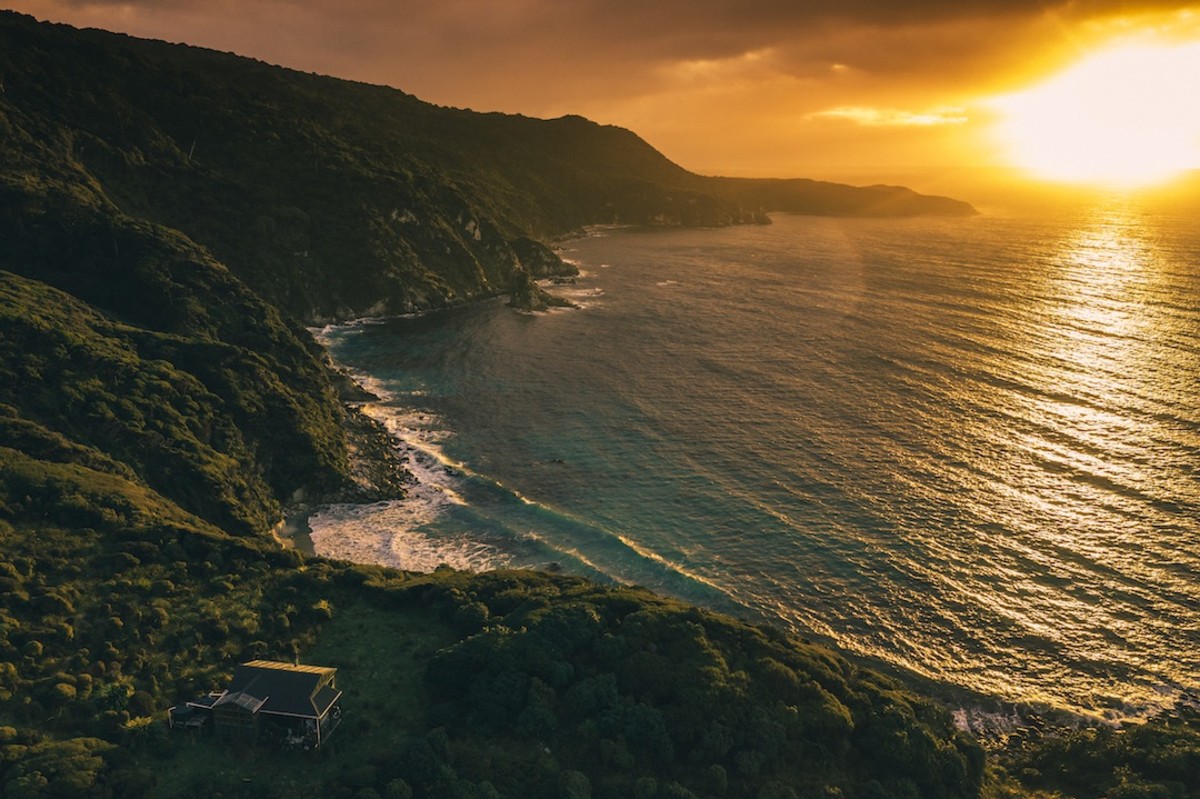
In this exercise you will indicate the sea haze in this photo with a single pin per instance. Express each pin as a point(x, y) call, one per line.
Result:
point(966, 447)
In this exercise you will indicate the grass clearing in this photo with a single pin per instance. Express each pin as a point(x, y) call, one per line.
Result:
point(381, 656)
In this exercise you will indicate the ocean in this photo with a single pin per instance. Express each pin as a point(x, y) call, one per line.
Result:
point(967, 448)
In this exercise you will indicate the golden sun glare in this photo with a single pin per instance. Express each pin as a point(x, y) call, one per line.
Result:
point(1124, 117)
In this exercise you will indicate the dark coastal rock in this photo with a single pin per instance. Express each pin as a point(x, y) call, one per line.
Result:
point(378, 465)
point(539, 260)
point(526, 295)
point(349, 390)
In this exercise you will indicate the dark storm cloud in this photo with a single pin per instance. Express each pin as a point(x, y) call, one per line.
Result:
point(712, 81)
point(517, 32)
point(669, 28)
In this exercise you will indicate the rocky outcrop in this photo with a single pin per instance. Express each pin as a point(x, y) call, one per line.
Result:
point(525, 294)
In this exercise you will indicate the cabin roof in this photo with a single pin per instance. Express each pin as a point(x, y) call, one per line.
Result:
point(282, 689)
point(279, 665)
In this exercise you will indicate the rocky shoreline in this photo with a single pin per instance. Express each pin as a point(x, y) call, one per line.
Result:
point(378, 466)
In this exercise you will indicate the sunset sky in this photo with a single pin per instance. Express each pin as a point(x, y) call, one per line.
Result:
point(857, 90)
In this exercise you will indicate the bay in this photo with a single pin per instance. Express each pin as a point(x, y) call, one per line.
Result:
point(967, 447)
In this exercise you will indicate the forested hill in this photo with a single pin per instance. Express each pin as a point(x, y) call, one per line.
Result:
point(332, 198)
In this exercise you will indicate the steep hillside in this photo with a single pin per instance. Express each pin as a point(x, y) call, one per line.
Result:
point(331, 198)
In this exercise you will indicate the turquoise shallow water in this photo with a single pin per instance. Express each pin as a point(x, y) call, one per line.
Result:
point(966, 447)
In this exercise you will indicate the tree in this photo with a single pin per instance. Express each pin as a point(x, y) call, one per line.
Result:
point(574, 785)
point(71, 768)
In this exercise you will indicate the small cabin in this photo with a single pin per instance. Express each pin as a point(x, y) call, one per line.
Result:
point(292, 705)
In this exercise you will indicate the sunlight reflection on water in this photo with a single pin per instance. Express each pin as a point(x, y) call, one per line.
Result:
point(969, 448)
point(1101, 416)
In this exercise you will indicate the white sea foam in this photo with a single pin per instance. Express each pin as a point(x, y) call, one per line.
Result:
point(323, 334)
point(574, 553)
point(600, 231)
point(670, 565)
point(395, 533)
point(389, 534)
point(581, 295)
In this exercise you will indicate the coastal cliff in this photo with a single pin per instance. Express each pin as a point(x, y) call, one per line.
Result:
point(334, 199)
point(170, 217)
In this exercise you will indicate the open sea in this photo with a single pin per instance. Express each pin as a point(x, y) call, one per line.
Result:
point(969, 448)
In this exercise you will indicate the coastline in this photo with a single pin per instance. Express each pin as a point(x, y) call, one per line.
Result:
point(991, 719)
point(379, 460)
point(984, 713)
point(381, 529)
point(403, 479)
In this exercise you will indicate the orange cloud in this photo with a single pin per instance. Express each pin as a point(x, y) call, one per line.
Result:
point(892, 117)
point(718, 85)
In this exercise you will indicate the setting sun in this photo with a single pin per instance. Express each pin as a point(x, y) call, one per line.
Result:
point(1122, 117)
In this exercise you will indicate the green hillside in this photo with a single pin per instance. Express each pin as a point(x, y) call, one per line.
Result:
point(331, 198)
point(169, 217)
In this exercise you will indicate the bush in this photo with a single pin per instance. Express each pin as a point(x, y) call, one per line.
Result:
point(397, 789)
point(574, 785)
point(73, 767)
